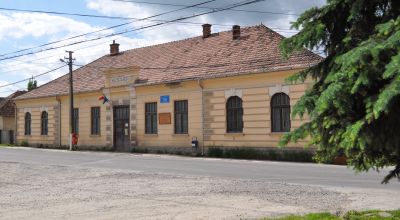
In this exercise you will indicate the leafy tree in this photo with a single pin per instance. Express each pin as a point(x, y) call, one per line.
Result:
point(354, 103)
point(32, 84)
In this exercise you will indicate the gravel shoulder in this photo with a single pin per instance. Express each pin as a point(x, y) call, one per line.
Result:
point(63, 192)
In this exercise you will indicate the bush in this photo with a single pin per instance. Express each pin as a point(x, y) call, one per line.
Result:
point(255, 154)
point(140, 150)
point(24, 143)
point(215, 152)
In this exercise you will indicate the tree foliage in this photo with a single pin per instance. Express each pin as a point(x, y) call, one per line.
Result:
point(354, 103)
point(32, 84)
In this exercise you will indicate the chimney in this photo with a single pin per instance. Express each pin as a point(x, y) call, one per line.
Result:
point(206, 30)
point(114, 49)
point(235, 32)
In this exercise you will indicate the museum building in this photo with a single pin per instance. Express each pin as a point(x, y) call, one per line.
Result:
point(223, 89)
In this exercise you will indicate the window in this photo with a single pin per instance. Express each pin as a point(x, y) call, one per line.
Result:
point(27, 123)
point(44, 119)
point(234, 115)
point(95, 115)
point(75, 126)
point(181, 117)
point(151, 118)
point(280, 112)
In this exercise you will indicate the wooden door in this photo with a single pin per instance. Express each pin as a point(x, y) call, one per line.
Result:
point(121, 128)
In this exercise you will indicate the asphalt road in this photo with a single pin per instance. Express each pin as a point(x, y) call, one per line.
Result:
point(297, 173)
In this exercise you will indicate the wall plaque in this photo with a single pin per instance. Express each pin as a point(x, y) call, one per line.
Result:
point(121, 76)
point(164, 99)
point(164, 118)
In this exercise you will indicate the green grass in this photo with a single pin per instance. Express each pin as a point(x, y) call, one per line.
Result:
point(352, 215)
point(7, 145)
point(314, 216)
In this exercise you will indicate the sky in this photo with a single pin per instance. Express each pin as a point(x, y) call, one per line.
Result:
point(22, 30)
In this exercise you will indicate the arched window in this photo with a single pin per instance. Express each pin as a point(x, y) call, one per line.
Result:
point(27, 123)
point(280, 112)
point(44, 123)
point(234, 115)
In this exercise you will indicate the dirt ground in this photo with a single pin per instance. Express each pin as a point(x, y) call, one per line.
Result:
point(58, 192)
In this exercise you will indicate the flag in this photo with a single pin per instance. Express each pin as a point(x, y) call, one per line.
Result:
point(104, 98)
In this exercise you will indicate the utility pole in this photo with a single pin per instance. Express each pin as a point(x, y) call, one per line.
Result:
point(71, 99)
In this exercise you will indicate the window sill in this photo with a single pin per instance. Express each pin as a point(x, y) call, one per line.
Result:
point(95, 135)
point(279, 132)
point(150, 135)
point(234, 134)
point(180, 135)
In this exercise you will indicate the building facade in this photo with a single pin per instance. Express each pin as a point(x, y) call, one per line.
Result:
point(222, 89)
point(7, 118)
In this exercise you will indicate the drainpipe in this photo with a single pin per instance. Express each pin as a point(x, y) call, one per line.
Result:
point(202, 116)
point(59, 120)
point(15, 123)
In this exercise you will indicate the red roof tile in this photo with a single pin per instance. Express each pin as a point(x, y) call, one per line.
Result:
point(7, 108)
point(195, 58)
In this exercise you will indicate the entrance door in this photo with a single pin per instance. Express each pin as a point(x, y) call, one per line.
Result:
point(121, 128)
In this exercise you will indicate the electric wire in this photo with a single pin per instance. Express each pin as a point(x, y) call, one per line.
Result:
point(135, 29)
point(38, 75)
point(108, 28)
point(204, 7)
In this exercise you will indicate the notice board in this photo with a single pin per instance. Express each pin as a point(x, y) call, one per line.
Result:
point(164, 118)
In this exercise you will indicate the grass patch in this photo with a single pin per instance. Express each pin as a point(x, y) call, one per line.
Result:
point(313, 216)
point(254, 154)
point(373, 215)
point(7, 145)
point(352, 215)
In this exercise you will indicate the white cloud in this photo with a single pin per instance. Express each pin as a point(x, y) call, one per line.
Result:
point(15, 26)
point(18, 25)
point(112, 8)
point(5, 91)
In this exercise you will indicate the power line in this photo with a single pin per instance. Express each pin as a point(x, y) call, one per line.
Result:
point(41, 74)
point(127, 31)
point(132, 18)
point(108, 28)
point(117, 17)
point(204, 7)
point(277, 29)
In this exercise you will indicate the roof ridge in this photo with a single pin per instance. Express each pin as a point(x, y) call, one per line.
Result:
point(259, 46)
point(185, 39)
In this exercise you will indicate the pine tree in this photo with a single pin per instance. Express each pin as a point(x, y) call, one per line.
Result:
point(354, 103)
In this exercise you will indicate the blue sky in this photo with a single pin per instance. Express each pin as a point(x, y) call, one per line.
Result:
point(20, 30)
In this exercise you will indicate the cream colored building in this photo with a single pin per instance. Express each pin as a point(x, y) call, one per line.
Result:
point(223, 89)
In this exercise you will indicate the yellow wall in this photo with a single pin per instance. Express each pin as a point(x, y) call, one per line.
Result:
point(207, 113)
point(35, 107)
point(83, 102)
point(166, 138)
point(255, 91)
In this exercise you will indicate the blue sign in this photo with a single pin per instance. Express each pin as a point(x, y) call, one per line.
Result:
point(164, 99)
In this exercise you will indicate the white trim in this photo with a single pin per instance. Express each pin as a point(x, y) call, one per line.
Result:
point(44, 109)
point(233, 92)
point(278, 89)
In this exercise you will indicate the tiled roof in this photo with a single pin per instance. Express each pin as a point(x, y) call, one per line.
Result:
point(7, 105)
point(195, 58)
